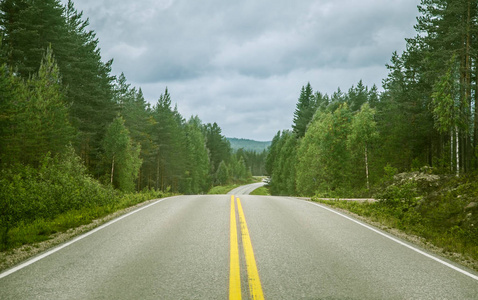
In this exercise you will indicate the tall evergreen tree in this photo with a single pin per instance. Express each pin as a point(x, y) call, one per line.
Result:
point(218, 146)
point(305, 109)
point(29, 27)
point(37, 121)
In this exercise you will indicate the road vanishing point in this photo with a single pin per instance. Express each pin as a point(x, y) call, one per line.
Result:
point(237, 246)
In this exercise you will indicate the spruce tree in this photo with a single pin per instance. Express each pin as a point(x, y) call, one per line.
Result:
point(305, 109)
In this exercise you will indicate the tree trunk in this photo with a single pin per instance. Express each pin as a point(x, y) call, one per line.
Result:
point(457, 140)
point(112, 169)
point(451, 151)
point(366, 167)
point(157, 175)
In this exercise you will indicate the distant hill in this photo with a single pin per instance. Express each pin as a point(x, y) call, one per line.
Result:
point(246, 144)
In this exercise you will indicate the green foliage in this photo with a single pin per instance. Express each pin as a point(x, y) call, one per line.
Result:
point(222, 174)
point(35, 114)
point(217, 144)
point(363, 135)
point(122, 154)
point(41, 229)
point(305, 109)
point(197, 174)
point(255, 161)
point(59, 184)
point(30, 27)
point(283, 165)
point(222, 189)
point(262, 191)
point(324, 161)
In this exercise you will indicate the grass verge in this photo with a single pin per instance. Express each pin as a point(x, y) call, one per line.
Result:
point(262, 191)
point(28, 239)
point(222, 189)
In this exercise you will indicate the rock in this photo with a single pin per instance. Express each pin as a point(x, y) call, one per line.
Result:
point(471, 205)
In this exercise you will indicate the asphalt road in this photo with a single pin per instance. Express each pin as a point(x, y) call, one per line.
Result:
point(179, 248)
point(246, 189)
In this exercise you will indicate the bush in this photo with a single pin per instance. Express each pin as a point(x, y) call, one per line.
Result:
point(58, 185)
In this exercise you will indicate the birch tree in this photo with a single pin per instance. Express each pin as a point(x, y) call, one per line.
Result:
point(363, 133)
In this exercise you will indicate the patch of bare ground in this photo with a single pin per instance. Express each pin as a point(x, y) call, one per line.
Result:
point(416, 240)
point(15, 256)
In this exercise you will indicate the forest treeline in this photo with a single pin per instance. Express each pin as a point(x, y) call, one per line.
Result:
point(427, 115)
point(71, 132)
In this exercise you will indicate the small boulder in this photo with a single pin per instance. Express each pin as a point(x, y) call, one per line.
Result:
point(471, 205)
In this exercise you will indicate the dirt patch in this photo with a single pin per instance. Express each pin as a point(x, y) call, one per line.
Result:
point(15, 256)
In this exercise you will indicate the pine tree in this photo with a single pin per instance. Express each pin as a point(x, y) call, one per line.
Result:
point(29, 27)
point(38, 120)
point(357, 96)
point(169, 139)
point(218, 146)
point(305, 109)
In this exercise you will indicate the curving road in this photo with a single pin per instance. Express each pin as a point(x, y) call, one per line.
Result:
point(179, 247)
point(246, 189)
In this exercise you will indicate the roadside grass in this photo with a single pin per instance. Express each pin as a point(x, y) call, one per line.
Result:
point(222, 189)
point(262, 191)
point(42, 229)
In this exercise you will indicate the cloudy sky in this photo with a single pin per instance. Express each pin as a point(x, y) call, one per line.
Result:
point(242, 63)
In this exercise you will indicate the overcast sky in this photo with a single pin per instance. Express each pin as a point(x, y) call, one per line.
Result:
point(242, 63)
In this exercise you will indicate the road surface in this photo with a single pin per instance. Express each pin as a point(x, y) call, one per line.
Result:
point(183, 248)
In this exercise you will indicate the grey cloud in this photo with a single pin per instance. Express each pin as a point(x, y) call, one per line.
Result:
point(242, 63)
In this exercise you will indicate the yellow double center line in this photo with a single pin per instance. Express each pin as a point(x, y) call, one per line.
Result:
point(255, 288)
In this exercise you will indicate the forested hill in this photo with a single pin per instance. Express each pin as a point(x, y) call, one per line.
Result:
point(249, 145)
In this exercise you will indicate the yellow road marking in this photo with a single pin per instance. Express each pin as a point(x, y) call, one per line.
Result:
point(234, 268)
point(255, 288)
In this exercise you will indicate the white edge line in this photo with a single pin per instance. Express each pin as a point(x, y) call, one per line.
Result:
point(64, 245)
point(398, 241)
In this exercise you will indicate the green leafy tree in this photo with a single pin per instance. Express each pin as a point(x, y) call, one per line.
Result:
point(447, 110)
point(122, 154)
point(363, 133)
point(323, 158)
